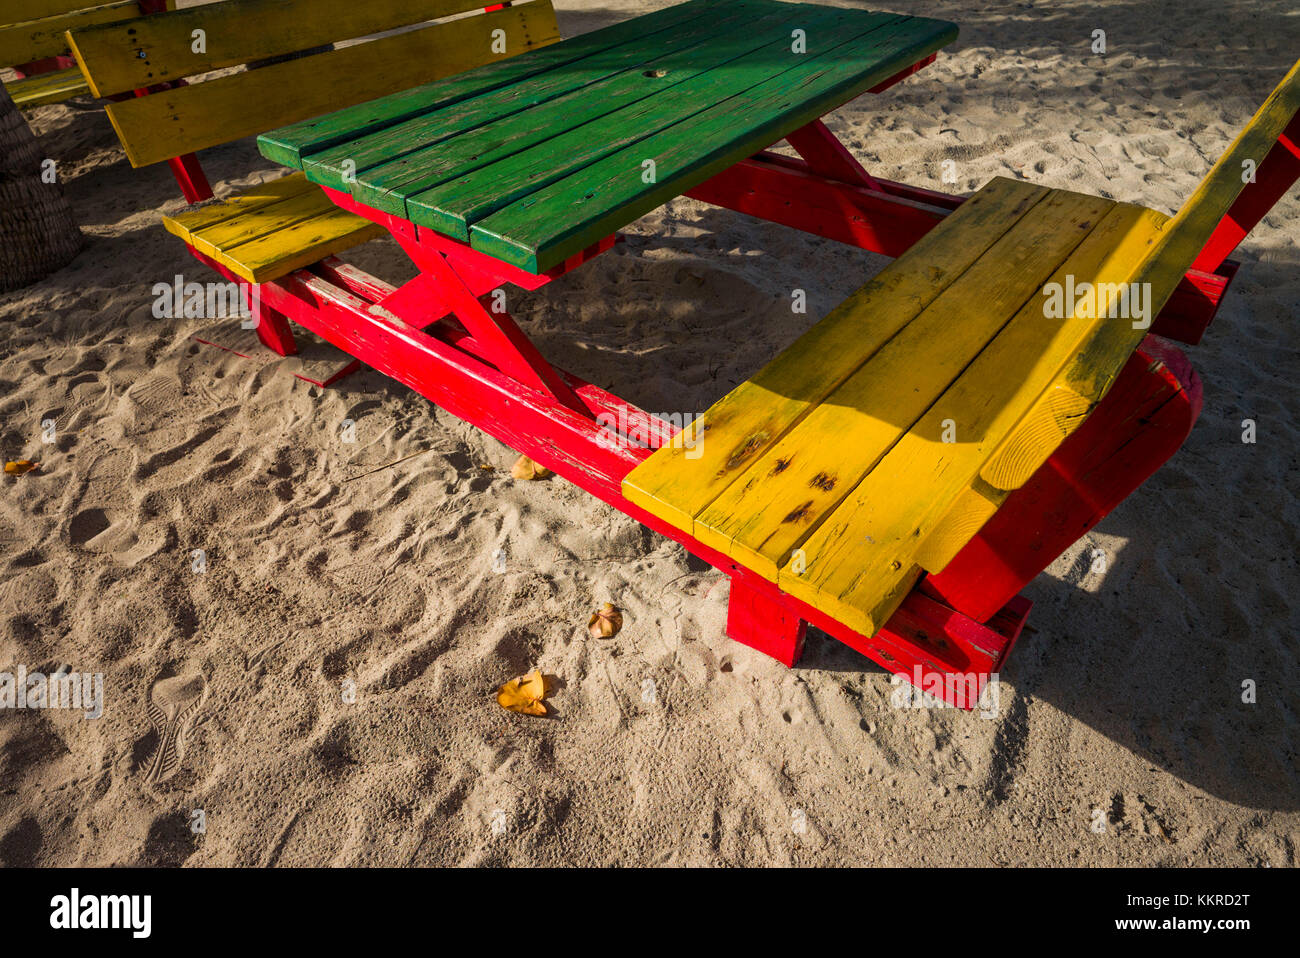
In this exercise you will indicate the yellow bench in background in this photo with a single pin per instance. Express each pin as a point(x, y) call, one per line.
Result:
point(276, 228)
point(33, 40)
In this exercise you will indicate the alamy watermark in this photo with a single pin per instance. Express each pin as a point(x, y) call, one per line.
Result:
point(652, 431)
point(1130, 301)
point(62, 690)
point(947, 690)
point(181, 300)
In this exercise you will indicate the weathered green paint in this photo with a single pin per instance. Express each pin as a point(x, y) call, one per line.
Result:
point(453, 206)
point(550, 224)
point(535, 157)
point(290, 144)
point(422, 153)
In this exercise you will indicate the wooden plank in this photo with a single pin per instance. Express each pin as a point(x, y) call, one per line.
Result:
point(262, 221)
point(123, 57)
point(677, 482)
point(451, 207)
point(191, 118)
point(860, 562)
point(1186, 234)
point(54, 87)
point(292, 143)
point(20, 11)
point(543, 228)
point(36, 39)
point(264, 194)
point(456, 141)
point(784, 495)
point(278, 254)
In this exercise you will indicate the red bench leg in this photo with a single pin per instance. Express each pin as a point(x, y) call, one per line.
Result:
point(273, 329)
point(1276, 173)
point(190, 176)
point(1136, 428)
point(762, 624)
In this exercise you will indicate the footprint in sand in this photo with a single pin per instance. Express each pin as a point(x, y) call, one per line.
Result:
point(173, 705)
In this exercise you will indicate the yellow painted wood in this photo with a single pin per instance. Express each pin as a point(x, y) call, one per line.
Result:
point(180, 121)
point(862, 560)
point(120, 58)
point(53, 87)
point(1184, 236)
point(272, 229)
point(678, 482)
point(37, 39)
point(786, 493)
point(260, 222)
point(278, 254)
point(201, 218)
point(19, 11)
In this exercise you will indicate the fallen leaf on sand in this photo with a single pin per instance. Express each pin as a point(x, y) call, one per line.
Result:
point(524, 694)
point(20, 467)
point(525, 468)
point(605, 623)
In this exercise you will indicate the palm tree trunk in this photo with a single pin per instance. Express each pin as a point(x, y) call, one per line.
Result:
point(37, 232)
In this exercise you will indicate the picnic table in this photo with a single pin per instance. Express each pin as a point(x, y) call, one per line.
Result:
point(517, 171)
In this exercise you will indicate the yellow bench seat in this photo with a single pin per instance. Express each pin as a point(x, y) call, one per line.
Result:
point(272, 229)
point(54, 87)
point(882, 440)
point(878, 445)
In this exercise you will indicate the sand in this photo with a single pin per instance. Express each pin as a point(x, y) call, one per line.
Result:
point(1121, 735)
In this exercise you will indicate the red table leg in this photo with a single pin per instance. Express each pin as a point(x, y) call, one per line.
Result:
point(759, 621)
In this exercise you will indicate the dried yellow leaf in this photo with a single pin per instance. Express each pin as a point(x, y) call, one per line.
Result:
point(605, 623)
point(524, 694)
point(525, 468)
point(20, 467)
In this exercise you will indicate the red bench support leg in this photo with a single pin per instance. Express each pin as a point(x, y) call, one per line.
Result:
point(762, 624)
point(273, 329)
point(190, 176)
point(1141, 423)
point(1274, 175)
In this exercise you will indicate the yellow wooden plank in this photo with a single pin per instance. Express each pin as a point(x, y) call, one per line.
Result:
point(861, 561)
point(785, 494)
point(264, 194)
point(263, 221)
point(1169, 251)
point(37, 39)
point(175, 122)
point(18, 11)
point(678, 481)
point(278, 254)
point(124, 57)
point(53, 87)
point(1185, 235)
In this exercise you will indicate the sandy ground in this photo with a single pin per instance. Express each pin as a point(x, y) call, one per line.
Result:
point(1125, 699)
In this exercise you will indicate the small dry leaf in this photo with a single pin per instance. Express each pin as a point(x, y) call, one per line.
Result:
point(524, 694)
point(525, 468)
point(20, 467)
point(605, 623)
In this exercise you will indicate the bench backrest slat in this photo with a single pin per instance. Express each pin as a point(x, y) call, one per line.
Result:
point(21, 42)
point(202, 114)
point(19, 11)
point(1183, 236)
point(129, 56)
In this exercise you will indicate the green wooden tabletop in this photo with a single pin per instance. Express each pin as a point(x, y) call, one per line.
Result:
point(536, 156)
